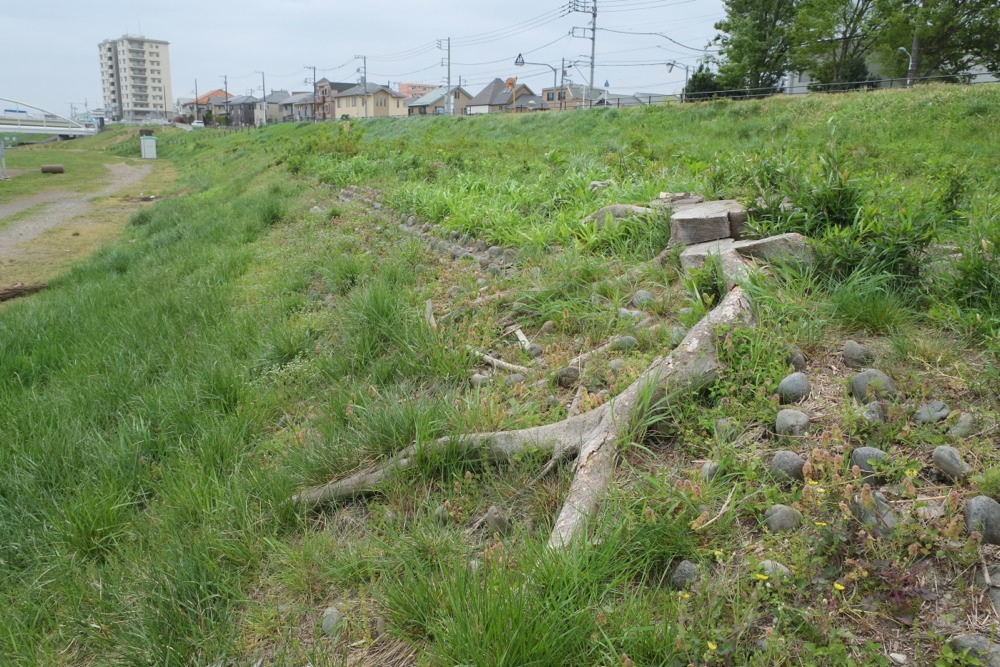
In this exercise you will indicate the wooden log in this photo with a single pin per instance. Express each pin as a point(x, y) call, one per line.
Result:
point(8, 293)
point(53, 169)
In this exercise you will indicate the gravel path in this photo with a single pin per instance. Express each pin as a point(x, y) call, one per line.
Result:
point(62, 207)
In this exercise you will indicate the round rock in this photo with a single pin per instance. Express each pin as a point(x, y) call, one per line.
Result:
point(684, 575)
point(791, 422)
point(983, 514)
point(871, 383)
point(863, 458)
point(616, 366)
point(677, 335)
point(332, 620)
point(479, 380)
point(567, 376)
point(710, 470)
point(857, 355)
point(548, 327)
point(787, 466)
point(782, 518)
point(933, 412)
point(625, 343)
point(774, 569)
point(794, 388)
point(641, 297)
point(979, 647)
point(627, 314)
point(516, 378)
point(441, 515)
point(534, 350)
point(878, 518)
point(963, 427)
point(949, 461)
point(725, 429)
point(874, 413)
point(795, 358)
point(497, 521)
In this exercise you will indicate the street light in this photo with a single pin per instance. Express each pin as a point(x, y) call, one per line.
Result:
point(520, 62)
point(670, 68)
point(910, 74)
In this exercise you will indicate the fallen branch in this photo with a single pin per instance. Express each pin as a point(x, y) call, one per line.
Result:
point(19, 290)
point(499, 363)
point(595, 434)
point(725, 508)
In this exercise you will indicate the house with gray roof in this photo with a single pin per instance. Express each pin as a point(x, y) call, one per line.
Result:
point(496, 98)
point(435, 102)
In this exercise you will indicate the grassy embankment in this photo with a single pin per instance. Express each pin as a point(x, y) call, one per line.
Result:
point(163, 401)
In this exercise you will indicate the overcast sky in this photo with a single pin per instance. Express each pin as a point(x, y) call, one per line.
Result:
point(49, 58)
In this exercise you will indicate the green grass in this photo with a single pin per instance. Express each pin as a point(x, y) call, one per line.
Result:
point(162, 402)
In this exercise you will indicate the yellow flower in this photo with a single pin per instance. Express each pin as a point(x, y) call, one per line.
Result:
point(821, 490)
point(813, 482)
point(839, 586)
point(820, 523)
point(712, 646)
point(762, 577)
point(685, 596)
point(911, 473)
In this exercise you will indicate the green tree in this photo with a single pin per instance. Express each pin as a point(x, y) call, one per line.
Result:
point(832, 39)
point(946, 37)
point(702, 85)
point(755, 39)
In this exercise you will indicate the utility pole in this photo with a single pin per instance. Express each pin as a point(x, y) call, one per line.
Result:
point(313, 68)
point(562, 85)
point(225, 85)
point(196, 100)
point(263, 99)
point(364, 82)
point(446, 44)
point(581, 6)
point(911, 72)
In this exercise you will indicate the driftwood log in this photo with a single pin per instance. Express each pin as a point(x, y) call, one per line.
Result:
point(8, 293)
point(593, 435)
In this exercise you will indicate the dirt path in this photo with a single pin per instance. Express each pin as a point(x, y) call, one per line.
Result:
point(64, 207)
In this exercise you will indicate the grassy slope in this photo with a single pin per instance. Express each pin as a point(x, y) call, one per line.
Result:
point(191, 376)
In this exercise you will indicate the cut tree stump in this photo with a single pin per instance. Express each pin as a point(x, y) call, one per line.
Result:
point(8, 293)
point(595, 434)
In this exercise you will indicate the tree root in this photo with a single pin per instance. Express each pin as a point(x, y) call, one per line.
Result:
point(595, 434)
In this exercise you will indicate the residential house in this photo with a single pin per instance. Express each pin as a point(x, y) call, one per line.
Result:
point(411, 91)
point(369, 100)
point(435, 102)
point(326, 91)
point(196, 108)
point(268, 110)
point(298, 106)
point(570, 96)
point(496, 98)
point(241, 109)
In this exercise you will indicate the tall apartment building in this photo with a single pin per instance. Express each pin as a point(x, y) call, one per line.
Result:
point(135, 78)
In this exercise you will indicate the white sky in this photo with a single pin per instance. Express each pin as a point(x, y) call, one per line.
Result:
point(49, 58)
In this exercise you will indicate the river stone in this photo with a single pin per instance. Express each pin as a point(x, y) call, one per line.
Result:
point(567, 376)
point(497, 521)
point(794, 388)
point(782, 518)
point(862, 455)
point(411, 221)
point(534, 350)
point(874, 413)
point(879, 519)
point(615, 212)
point(710, 470)
point(933, 412)
point(725, 430)
point(552, 401)
point(774, 569)
point(787, 466)
point(625, 313)
point(332, 620)
point(949, 461)
point(677, 335)
point(983, 514)
point(494, 251)
point(616, 366)
point(548, 327)
point(979, 647)
point(641, 297)
point(479, 380)
point(493, 270)
point(857, 355)
point(516, 378)
point(482, 282)
point(684, 575)
point(791, 422)
point(871, 383)
point(625, 343)
point(796, 359)
point(963, 427)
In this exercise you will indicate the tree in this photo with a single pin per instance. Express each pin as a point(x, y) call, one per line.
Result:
point(833, 38)
point(946, 37)
point(702, 85)
point(754, 40)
